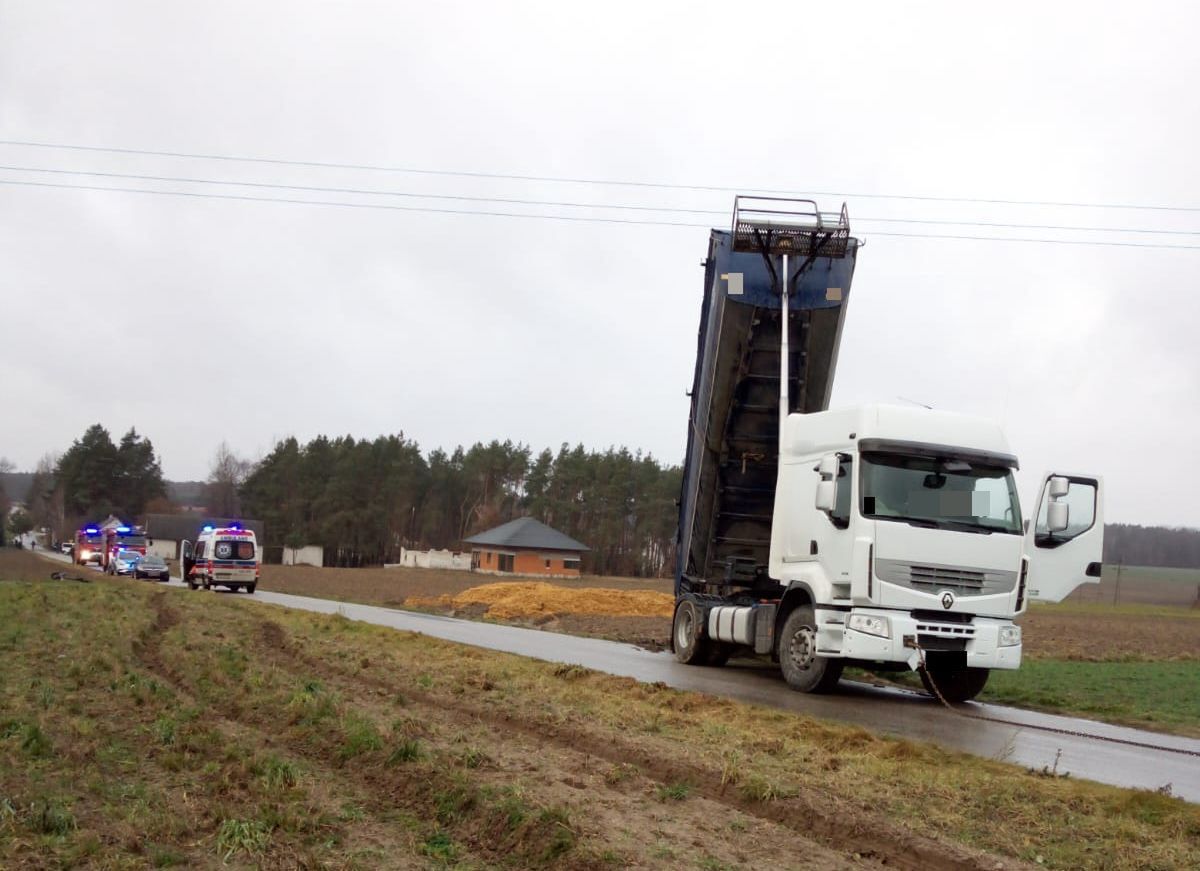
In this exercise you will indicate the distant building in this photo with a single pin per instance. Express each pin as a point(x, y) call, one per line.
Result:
point(526, 547)
point(309, 555)
point(165, 531)
point(432, 559)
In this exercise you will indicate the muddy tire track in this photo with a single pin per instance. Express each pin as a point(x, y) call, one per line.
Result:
point(483, 836)
point(811, 814)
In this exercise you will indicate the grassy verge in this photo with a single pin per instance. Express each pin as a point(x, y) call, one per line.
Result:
point(143, 725)
point(1156, 695)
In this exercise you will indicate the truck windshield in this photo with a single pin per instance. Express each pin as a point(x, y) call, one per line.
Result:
point(948, 493)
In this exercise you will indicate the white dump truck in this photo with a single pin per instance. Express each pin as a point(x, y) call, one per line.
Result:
point(884, 536)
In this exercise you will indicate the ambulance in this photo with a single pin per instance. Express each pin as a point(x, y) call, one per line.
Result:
point(225, 556)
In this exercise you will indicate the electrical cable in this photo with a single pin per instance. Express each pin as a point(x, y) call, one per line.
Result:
point(591, 181)
point(570, 218)
point(565, 204)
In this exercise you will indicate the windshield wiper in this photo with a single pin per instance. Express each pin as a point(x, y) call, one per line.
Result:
point(967, 526)
point(911, 521)
point(926, 523)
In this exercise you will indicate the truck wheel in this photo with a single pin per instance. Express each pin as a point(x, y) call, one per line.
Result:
point(250, 588)
point(958, 684)
point(802, 668)
point(718, 653)
point(687, 634)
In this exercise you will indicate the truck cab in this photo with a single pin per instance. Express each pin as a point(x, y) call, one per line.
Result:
point(902, 530)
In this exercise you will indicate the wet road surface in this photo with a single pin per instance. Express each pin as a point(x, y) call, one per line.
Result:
point(901, 713)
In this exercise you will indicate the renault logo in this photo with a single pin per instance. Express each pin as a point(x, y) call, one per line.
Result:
point(947, 600)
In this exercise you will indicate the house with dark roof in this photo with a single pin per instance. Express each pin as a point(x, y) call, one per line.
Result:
point(526, 546)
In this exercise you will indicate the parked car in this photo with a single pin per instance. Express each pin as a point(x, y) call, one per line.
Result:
point(67, 547)
point(123, 562)
point(151, 566)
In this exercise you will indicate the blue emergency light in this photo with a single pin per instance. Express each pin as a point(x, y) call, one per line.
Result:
point(122, 529)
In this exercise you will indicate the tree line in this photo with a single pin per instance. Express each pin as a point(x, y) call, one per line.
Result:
point(365, 500)
point(1134, 545)
point(95, 477)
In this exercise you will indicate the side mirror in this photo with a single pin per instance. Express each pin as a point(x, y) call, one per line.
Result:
point(1057, 515)
point(826, 495)
point(828, 467)
point(1059, 486)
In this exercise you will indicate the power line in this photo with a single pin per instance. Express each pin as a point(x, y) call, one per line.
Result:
point(567, 204)
point(571, 218)
point(592, 181)
point(384, 206)
point(360, 191)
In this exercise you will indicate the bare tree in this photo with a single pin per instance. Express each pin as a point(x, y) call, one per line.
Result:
point(226, 475)
point(45, 502)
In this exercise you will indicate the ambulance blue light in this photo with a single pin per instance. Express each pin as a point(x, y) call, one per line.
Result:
point(207, 529)
point(122, 529)
point(235, 526)
point(91, 530)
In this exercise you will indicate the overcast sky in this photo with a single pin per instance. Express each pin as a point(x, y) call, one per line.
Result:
point(202, 320)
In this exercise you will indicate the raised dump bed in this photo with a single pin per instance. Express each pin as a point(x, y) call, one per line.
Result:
point(733, 430)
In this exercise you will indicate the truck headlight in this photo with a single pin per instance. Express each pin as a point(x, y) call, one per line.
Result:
point(1010, 636)
point(870, 624)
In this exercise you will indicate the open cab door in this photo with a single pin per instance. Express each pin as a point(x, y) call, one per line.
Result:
point(187, 561)
point(1065, 540)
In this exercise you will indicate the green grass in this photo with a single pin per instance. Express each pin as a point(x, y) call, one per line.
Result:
point(166, 699)
point(1156, 695)
point(674, 792)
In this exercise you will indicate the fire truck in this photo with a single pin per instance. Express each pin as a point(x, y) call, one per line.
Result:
point(89, 546)
point(127, 538)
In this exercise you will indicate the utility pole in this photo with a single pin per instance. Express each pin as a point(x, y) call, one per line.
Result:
point(1117, 586)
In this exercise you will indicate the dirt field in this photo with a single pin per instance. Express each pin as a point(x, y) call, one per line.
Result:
point(422, 589)
point(392, 586)
point(1101, 633)
point(1143, 585)
point(146, 726)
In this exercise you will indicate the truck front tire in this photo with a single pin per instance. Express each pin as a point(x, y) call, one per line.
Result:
point(687, 634)
point(957, 683)
point(802, 668)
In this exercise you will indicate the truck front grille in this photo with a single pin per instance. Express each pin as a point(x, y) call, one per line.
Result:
point(931, 578)
point(959, 580)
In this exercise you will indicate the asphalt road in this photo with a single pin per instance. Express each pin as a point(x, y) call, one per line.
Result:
point(1024, 740)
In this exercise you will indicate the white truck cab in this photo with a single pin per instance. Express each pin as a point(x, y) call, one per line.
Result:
point(903, 528)
point(226, 556)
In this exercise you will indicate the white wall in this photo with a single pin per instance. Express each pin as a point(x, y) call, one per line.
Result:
point(434, 559)
point(309, 555)
point(163, 547)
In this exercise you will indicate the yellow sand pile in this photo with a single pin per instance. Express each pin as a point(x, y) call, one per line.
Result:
point(507, 601)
